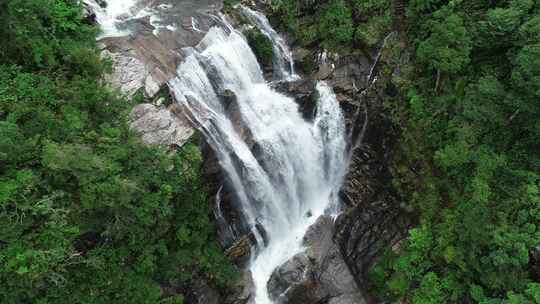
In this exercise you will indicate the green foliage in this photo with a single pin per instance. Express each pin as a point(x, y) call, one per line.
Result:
point(335, 24)
point(471, 131)
point(88, 214)
point(43, 33)
point(338, 25)
point(376, 20)
point(261, 46)
point(448, 46)
point(229, 4)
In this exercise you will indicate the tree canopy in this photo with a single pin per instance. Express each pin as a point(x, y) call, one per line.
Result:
point(469, 149)
point(88, 214)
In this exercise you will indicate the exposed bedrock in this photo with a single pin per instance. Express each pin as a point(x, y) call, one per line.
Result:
point(339, 253)
point(372, 219)
point(304, 93)
point(145, 55)
point(148, 51)
point(161, 125)
point(318, 275)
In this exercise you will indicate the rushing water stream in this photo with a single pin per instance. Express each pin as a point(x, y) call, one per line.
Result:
point(286, 171)
point(293, 176)
point(283, 61)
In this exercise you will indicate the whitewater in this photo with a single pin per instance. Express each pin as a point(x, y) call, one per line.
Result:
point(293, 175)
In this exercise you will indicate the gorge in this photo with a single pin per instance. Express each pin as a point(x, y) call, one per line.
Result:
point(291, 173)
point(282, 166)
point(269, 152)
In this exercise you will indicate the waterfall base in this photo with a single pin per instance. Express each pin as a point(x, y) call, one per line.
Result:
point(318, 274)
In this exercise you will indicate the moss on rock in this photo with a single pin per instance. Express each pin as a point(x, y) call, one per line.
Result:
point(261, 46)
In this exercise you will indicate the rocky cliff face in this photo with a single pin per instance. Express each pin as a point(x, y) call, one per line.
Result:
point(318, 275)
point(145, 54)
point(339, 252)
point(372, 219)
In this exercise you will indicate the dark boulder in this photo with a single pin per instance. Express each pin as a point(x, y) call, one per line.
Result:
point(304, 93)
point(89, 15)
point(232, 108)
point(102, 3)
point(241, 293)
point(230, 226)
point(318, 275)
point(534, 263)
point(202, 293)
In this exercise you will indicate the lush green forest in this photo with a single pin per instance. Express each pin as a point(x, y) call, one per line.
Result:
point(469, 127)
point(88, 214)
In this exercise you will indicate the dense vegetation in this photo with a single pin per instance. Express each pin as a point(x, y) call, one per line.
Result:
point(261, 46)
point(88, 214)
point(469, 131)
point(338, 25)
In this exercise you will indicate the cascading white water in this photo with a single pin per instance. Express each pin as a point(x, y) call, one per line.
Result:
point(283, 60)
point(291, 175)
point(113, 13)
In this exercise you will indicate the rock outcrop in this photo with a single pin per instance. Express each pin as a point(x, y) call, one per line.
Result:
point(160, 125)
point(373, 218)
point(339, 253)
point(304, 93)
point(146, 56)
point(534, 263)
point(89, 15)
point(144, 60)
point(318, 275)
point(148, 49)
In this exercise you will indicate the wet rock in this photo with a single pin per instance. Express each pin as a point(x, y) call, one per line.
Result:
point(319, 275)
point(534, 263)
point(128, 72)
point(240, 251)
point(230, 226)
point(89, 15)
point(347, 74)
point(291, 273)
point(348, 78)
point(242, 292)
point(325, 70)
point(228, 98)
point(304, 93)
point(232, 108)
point(160, 125)
point(364, 232)
point(373, 220)
point(102, 3)
point(202, 293)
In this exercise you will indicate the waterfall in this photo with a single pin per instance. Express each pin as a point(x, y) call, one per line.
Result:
point(286, 171)
point(115, 16)
point(111, 15)
point(283, 60)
